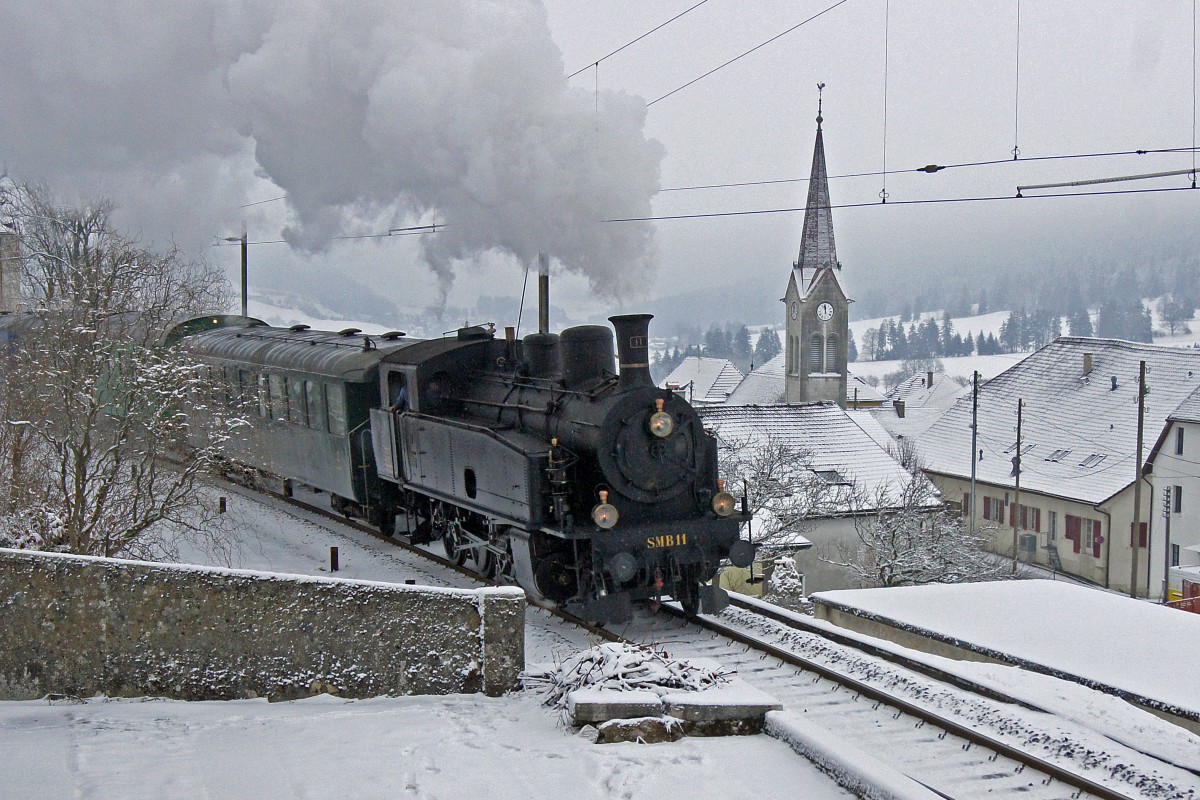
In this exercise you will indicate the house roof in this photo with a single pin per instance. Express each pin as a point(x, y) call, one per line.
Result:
point(837, 440)
point(1189, 409)
point(763, 386)
point(911, 426)
point(1079, 433)
point(918, 392)
point(711, 379)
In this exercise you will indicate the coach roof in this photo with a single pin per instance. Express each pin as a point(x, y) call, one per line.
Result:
point(349, 356)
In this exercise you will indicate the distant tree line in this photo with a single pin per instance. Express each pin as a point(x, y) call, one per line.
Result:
point(730, 341)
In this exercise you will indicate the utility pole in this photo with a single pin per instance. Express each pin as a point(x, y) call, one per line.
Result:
point(1016, 509)
point(974, 441)
point(1135, 537)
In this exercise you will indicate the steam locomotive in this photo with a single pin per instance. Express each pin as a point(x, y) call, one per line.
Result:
point(590, 488)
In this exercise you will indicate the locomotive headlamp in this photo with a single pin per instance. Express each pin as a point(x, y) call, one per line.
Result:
point(605, 515)
point(661, 423)
point(723, 503)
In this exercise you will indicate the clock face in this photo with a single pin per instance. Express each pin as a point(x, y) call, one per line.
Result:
point(825, 312)
point(795, 310)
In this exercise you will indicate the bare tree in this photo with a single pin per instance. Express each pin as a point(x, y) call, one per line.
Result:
point(93, 408)
point(912, 539)
point(784, 492)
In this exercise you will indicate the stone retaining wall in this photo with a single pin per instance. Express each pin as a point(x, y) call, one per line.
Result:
point(80, 625)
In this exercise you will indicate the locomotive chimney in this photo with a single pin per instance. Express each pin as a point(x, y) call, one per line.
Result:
point(633, 348)
point(543, 293)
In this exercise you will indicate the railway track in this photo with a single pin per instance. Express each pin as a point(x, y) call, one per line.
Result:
point(956, 737)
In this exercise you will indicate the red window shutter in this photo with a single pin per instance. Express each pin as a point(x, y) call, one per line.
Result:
point(966, 504)
point(1073, 530)
point(1097, 539)
point(987, 508)
point(1000, 510)
point(1037, 520)
point(1141, 534)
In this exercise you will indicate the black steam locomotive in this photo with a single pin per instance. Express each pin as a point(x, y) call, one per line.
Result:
point(588, 487)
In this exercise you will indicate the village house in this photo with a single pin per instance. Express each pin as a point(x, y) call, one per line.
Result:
point(1174, 469)
point(1078, 456)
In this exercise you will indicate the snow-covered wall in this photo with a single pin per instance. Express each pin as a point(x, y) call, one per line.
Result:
point(81, 625)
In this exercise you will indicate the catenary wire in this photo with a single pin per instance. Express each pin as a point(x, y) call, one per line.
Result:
point(932, 201)
point(748, 52)
point(596, 63)
point(932, 168)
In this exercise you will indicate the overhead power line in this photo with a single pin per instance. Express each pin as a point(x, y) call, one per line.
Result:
point(413, 231)
point(597, 62)
point(934, 201)
point(932, 168)
point(748, 52)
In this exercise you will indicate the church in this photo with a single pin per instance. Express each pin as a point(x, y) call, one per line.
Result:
point(816, 308)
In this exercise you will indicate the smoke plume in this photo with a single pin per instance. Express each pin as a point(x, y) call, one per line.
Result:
point(454, 112)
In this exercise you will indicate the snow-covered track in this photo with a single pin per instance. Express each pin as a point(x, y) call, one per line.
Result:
point(908, 720)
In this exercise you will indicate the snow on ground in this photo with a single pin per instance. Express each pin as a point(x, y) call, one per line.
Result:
point(457, 746)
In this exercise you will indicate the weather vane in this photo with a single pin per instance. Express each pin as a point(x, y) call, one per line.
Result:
point(820, 92)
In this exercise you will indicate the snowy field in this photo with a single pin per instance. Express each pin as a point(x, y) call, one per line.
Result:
point(459, 746)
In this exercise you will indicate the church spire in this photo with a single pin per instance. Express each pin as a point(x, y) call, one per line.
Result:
point(817, 249)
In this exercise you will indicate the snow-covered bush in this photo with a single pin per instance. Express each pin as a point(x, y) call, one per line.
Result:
point(623, 667)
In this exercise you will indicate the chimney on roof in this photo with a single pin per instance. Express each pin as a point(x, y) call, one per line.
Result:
point(929, 379)
point(1087, 363)
point(899, 406)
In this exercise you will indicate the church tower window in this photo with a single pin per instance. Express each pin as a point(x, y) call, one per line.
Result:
point(816, 350)
point(831, 353)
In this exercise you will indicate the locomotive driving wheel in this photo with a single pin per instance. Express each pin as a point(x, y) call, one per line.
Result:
point(687, 592)
point(448, 530)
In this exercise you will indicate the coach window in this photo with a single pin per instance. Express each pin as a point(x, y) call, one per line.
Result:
point(264, 397)
point(335, 402)
point(232, 392)
point(297, 406)
point(316, 405)
point(279, 404)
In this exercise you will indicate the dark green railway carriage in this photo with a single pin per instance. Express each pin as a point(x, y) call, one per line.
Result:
point(307, 395)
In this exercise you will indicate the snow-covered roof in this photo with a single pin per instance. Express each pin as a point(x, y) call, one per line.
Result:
point(912, 425)
point(859, 390)
point(836, 439)
point(1188, 410)
point(710, 379)
point(763, 386)
point(918, 392)
point(1079, 431)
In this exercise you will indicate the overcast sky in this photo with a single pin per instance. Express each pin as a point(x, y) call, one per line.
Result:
point(384, 114)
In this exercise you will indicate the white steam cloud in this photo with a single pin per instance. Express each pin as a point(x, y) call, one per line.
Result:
point(448, 111)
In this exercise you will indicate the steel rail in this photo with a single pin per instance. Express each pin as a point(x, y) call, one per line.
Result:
point(904, 706)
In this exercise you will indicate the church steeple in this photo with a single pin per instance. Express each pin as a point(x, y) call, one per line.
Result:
point(817, 248)
point(817, 319)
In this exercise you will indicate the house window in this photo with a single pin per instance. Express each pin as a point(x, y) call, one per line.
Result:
point(1084, 534)
point(815, 350)
point(1058, 455)
point(1174, 555)
point(1031, 518)
point(993, 509)
point(833, 477)
point(1053, 520)
point(1093, 460)
point(1178, 499)
point(1179, 441)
